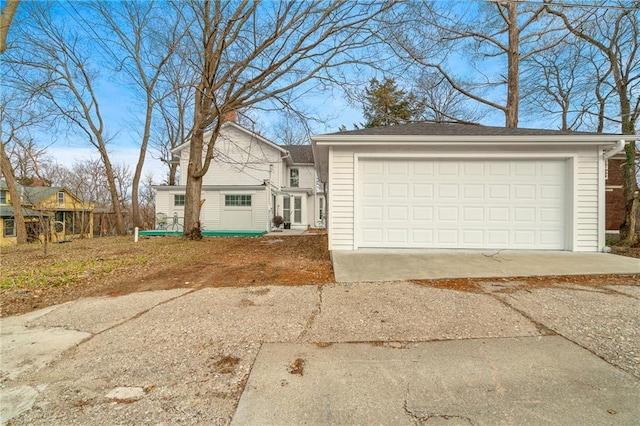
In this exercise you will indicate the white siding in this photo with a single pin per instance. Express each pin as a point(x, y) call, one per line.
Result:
point(210, 212)
point(586, 215)
point(341, 214)
point(238, 160)
point(165, 204)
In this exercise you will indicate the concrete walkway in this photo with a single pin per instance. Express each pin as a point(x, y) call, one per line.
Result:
point(391, 265)
point(352, 353)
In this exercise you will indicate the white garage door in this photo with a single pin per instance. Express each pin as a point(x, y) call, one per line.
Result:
point(503, 204)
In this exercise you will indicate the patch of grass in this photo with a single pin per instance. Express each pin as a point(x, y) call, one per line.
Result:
point(66, 272)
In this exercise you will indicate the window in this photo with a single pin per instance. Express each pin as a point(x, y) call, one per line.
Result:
point(297, 209)
point(3, 197)
point(294, 178)
point(60, 197)
point(9, 228)
point(178, 200)
point(321, 208)
point(237, 200)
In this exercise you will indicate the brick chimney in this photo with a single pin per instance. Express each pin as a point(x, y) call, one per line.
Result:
point(230, 116)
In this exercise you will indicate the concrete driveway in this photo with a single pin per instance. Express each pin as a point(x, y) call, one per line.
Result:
point(399, 264)
point(351, 353)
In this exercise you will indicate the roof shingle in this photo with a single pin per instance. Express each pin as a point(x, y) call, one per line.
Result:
point(454, 129)
point(300, 154)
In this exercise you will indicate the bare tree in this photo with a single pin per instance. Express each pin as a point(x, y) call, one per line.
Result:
point(557, 82)
point(250, 53)
point(16, 201)
point(498, 37)
point(27, 160)
point(175, 113)
point(442, 102)
point(615, 34)
point(8, 12)
point(146, 39)
point(54, 61)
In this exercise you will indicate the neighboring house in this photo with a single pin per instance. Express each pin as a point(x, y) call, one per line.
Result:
point(456, 186)
point(67, 215)
point(250, 180)
point(614, 185)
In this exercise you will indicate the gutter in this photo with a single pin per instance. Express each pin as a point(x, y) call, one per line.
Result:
point(615, 150)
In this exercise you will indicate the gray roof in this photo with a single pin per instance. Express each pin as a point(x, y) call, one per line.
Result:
point(7, 211)
point(300, 154)
point(454, 129)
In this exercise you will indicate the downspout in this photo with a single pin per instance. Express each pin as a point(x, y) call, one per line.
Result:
point(615, 150)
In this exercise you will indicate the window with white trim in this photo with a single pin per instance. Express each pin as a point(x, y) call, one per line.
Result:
point(3, 197)
point(237, 200)
point(294, 178)
point(321, 208)
point(60, 197)
point(178, 200)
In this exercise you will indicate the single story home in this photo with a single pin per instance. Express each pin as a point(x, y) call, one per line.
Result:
point(65, 213)
point(457, 186)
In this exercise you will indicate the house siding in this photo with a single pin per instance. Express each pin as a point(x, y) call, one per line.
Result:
point(582, 201)
point(587, 208)
point(341, 194)
point(238, 160)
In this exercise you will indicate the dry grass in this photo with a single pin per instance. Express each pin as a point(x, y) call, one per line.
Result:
point(116, 265)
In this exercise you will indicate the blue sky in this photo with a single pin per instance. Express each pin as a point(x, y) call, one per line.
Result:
point(120, 110)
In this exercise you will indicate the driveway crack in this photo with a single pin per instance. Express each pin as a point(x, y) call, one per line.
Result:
point(542, 329)
point(139, 314)
point(423, 419)
point(313, 316)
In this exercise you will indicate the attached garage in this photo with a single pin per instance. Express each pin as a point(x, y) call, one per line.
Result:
point(453, 186)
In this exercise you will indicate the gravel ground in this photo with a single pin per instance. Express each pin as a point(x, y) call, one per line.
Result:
point(184, 356)
point(606, 320)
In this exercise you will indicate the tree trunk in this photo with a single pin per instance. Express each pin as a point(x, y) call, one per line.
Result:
point(8, 12)
point(135, 205)
point(628, 234)
point(513, 73)
point(173, 169)
point(192, 203)
point(113, 191)
point(16, 202)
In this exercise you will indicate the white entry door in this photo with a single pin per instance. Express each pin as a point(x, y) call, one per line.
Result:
point(475, 204)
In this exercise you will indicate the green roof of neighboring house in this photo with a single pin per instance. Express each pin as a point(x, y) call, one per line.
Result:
point(37, 194)
point(7, 211)
point(32, 195)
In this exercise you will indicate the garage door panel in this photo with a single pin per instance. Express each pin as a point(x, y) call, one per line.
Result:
point(423, 191)
point(473, 214)
point(447, 191)
point(472, 191)
point(462, 204)
point(397, 190)
point(398, 213)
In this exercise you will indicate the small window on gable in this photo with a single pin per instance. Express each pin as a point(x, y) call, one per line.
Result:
point(3, 197)
point(294, 178)
point(237, 200)
point(60, 197)
point(178, 200)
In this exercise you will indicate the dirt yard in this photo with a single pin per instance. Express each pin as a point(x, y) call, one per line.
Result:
point(115, 266)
